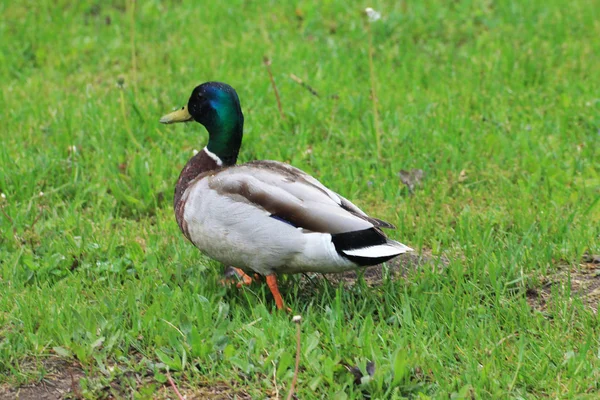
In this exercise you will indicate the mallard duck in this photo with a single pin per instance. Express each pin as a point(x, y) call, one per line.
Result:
point(265, 217)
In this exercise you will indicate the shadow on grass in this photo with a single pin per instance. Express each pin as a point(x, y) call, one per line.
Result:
point(398, 267)
point(313, 287)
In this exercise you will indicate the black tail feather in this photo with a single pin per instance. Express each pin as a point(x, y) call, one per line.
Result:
point(359, 239)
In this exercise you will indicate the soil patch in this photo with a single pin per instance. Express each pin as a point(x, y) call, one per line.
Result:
point(582, 281)
point(60, 381)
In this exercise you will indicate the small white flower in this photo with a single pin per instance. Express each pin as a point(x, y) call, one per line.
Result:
point(372, 14)
point(41, 194)
point(194, 151)
point(297, 319)
point(3, 196)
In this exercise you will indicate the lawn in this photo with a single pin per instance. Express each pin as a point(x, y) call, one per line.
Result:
point(497, 102)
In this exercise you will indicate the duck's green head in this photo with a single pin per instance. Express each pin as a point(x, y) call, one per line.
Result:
point(216, 106)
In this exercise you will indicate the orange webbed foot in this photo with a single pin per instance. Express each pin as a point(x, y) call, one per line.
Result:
point(237, 276)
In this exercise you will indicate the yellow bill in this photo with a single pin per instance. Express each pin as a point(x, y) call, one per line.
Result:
point(181, 115)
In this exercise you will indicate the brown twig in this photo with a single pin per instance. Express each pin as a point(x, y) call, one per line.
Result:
point(37, 217)
point(297, 319)
point(374, 98)
point(268, 65)
point(275, 380)
point(7, 216)
point(131, 7)
point(75, 386)
point(335, 98)
point(174, 387)
point(304, 85)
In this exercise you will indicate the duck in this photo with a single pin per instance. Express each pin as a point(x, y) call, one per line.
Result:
point(265, 217)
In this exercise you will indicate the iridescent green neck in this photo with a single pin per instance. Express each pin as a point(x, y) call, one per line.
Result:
point(225, 130)
point(225, 141)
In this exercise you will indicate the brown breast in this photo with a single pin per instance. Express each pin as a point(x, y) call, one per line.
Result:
point(200, 164)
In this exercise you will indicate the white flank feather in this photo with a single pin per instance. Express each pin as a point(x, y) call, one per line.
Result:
point(382, 250)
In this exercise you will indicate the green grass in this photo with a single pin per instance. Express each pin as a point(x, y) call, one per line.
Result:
point(498, 102)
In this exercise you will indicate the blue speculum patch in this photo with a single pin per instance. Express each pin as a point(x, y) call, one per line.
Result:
point(282, 220)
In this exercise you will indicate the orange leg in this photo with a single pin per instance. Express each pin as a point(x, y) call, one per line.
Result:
point(245, 278)
point(272, 282)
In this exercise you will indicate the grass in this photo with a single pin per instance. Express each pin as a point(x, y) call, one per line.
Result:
point(496, 101)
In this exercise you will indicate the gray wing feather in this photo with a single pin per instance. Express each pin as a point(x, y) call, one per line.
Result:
point(295, 174)
point(290, 194)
